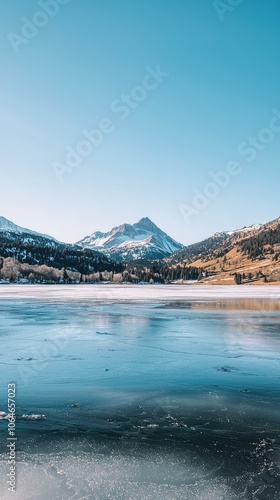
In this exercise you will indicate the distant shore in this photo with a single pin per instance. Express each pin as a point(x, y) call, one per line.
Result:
point(178, 283)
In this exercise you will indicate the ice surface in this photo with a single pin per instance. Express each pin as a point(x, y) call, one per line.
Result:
point(139, 292)
point(142, 392)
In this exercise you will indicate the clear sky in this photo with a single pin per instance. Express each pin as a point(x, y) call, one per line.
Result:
point(89, 64)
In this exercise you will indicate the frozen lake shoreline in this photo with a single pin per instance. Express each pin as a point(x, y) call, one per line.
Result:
point(108, 292)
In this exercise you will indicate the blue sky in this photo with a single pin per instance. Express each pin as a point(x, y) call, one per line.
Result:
point(222, 85)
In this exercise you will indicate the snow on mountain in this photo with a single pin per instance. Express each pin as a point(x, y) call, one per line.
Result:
point(142, 240)
point(245, 229)
point(8, 228)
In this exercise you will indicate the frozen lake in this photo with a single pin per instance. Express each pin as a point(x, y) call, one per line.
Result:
point(142, 392)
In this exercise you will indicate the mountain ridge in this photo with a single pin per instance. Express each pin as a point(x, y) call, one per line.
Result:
point(249, 255)
point(9, 226)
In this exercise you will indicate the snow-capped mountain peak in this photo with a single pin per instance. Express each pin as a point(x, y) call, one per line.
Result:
point(146, 224)
point(142, 240)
